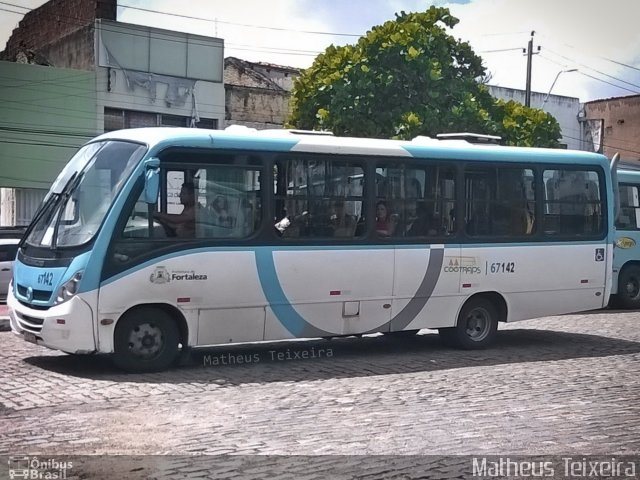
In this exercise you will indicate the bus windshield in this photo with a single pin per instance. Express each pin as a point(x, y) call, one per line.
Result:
point(81, 196)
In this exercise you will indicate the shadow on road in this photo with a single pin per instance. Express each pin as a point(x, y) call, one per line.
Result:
point(346, 358)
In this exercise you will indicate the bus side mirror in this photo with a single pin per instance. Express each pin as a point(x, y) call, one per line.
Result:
point(152, 180)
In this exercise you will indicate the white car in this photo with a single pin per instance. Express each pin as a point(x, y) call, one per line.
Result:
point(8, 251)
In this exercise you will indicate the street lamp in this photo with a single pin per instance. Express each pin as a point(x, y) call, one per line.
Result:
point(554, 82)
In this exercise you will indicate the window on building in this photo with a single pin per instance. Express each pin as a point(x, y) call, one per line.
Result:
point(113, 119)
point(117, 119)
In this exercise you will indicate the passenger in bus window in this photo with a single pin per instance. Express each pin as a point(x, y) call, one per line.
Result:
point(183, 224)
point(424, 224)
point(247, 220)
point(293, 224)
point(343, 224)
point(385, 221)
point(220, 211)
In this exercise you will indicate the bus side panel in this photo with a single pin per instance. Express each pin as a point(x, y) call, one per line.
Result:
point(218, 292)
point(330, 291)
point(426, 287)
point(540, 280)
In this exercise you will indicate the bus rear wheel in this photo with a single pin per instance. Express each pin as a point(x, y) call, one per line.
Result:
point(629, 287)
point(146, 340)
point(476, 328)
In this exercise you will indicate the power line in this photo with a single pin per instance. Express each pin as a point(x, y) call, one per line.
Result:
point(54, 81)
point(37, 144)
point(609, 83)
point(335, 34)
point(590, 76)
point(17, 6)
point(500, 50)
point(620, 63)
point(11, 11)
point(178, 37)
point(581, 50)
point(46, 132)
point(503, 34)
point(91, 94)
point(591, 68)
point(614, 147)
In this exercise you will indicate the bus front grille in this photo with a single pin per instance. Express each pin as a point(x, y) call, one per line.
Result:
point(38, 295)
point(29, 323)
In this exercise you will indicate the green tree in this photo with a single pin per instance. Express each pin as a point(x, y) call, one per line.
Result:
point(404, 78)
point(526, 127)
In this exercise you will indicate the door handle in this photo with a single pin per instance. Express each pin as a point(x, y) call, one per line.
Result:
point(5, 269)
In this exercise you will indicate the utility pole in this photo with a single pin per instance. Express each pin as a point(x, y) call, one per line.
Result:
point(530, 53)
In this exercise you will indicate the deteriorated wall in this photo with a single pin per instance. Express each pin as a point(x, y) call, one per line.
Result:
point(621, 125)
point(60, 32)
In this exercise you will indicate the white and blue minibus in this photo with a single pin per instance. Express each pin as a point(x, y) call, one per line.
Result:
point(626, 255)
point(154, 241)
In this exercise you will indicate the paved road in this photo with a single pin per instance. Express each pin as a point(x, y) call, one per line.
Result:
point(560, 385)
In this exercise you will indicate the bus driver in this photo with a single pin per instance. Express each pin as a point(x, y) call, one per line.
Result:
point(183, 224)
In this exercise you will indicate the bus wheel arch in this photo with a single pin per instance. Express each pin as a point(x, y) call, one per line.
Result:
point(628, 295)
point(147, 338)
point(477, 322)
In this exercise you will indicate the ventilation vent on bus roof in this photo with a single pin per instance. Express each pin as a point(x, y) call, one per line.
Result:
point(471, 137)
point(286, 131)
point(312, 132)
point(240, 129)
point(424, 139)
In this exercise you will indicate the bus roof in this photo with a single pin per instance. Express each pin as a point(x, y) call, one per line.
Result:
point(628, 173)
point(159, 138)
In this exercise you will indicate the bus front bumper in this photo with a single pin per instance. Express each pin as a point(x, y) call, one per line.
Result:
point(67, 327)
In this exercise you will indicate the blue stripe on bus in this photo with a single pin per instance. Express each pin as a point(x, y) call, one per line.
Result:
point(286, 314)
point(182, 253)
point(502, 154)
point(282, 308)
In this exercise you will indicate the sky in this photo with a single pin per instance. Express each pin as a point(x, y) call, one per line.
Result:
point(599, 39)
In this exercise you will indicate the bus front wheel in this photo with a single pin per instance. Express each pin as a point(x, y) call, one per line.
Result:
point(629, 287)
point(476, 327)
point(146, 340)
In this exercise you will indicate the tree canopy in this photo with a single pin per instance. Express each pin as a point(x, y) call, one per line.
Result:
point(410, 77)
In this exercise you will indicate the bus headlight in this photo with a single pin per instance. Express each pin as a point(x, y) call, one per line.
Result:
point(69, 289)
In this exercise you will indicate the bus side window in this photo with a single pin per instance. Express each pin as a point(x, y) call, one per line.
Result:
point(321, 197)
point(629, 208)
point(572, 203)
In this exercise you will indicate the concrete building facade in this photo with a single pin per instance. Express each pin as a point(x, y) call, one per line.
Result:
point(564, 109)
point(102, 75)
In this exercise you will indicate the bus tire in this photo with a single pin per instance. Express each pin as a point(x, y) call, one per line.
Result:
point(629, 288)
point(146, 340)
point(476, 328)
